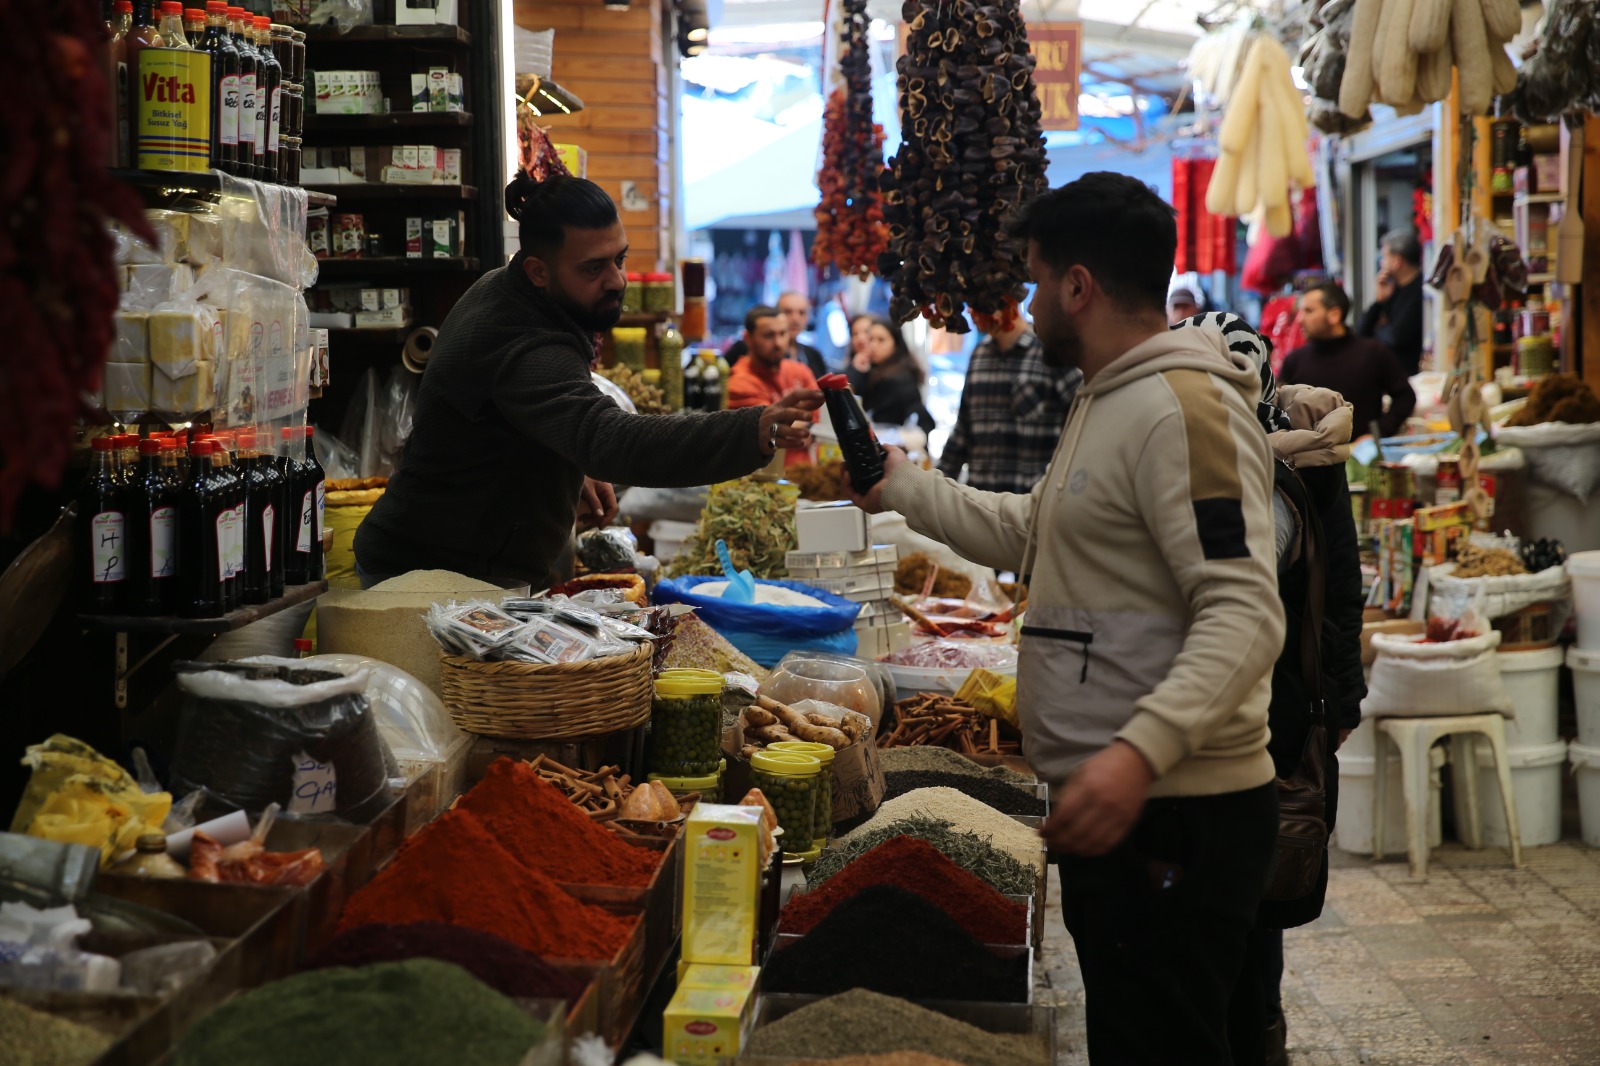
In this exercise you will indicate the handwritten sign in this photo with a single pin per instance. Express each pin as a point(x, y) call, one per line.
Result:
point(1058, 52)
point(316, 786)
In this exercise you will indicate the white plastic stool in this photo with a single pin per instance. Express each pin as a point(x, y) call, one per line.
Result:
point(1414, 737)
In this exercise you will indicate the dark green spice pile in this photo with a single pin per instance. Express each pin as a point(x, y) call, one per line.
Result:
point(1007, 799)
point(969, 851)
point(866, 1023)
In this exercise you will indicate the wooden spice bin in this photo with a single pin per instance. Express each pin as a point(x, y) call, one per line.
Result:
point(1031, 922)
point(785, 941)
point(990, 1017)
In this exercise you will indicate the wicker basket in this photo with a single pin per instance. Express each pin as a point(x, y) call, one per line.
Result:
point(529, 701)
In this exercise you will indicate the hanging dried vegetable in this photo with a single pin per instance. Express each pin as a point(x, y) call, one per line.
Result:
point(536, 156)
point(851, 234)
point(1563, 74)
point(1322, 57)
point(1263, 142)
point(58, 275)
point(973, 155)
point(1402, 52)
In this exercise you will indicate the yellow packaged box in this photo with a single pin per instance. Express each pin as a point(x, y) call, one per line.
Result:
point(701, 975)
point(575, 158)
point(186, 394)
point(180, 339)
point(721, 883)
point(704, 1026)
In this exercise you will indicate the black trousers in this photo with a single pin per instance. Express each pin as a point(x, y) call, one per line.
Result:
point(1160, 926)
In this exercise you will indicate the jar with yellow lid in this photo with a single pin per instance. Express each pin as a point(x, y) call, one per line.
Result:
point(791, 781)
point(823, 820)
point(685, 737)
point(627, 342)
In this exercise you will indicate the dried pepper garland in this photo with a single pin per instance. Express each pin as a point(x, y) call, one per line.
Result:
point(851, 233)
point(58, 275)
point(973, 154)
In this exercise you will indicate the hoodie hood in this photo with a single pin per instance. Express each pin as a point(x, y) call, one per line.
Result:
point(1320, 421)
point(1183, 348)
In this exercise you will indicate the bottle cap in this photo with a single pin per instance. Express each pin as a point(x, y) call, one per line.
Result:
point(302, 644)
point(288, 434)
point(214, 7)
point(247, 440)
point(124, 7)
point(150, 446)
point(191, 14)
point(199, 448)
point(101, 444)
point(308, 432)
point(171, 7)
point(170, 445)
point(833, 381)
point(262, 22)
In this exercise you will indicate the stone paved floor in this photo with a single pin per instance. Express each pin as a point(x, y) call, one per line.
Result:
point(1479, 964)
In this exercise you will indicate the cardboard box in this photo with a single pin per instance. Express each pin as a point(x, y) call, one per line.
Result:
point(575, 158)
point(1546, 173)
point(419, 91)
point(416, 12)
point(455, 93)
point(428, 161)
point(390, 318)
point(831, 527)
point(450, 166)
point(442, 244)
point(721, 884)
point(369, 300)
point(705, 1026)
point(438, 87)
point(704, 975)
point(388, 298)
point(405, 157)
point(414, 238)
point(194, 391)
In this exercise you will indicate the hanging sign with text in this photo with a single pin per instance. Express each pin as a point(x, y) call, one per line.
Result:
point(1058, 51)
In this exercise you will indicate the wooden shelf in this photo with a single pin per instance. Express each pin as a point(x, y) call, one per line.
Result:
point(168, 624)
point(1541, 279)
point(390, 35)
point(379, 191)
point(645, 318)
point(393, 264)
point(1523, 199)
point(321, 199)
point(394, 120)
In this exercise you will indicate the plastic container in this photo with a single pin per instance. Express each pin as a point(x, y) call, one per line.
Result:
point(669, 537)
point(1584, 569)
point(628, 343)
point(823, 820)
point(1532, 679)
point(1353, 832)
point(709, 787)
point(685, 738)
point(1586, 694)
point(1553, 513)
point(1586, 765)
point(659, 293)
point(791, 781)
point(1536, 786)
point(830, 681)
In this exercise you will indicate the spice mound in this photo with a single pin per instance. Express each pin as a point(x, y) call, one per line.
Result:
point(541, 827)
point(1558, 398)
point(456, 871)
point(415, 1013)
point(964, 814)
point(911, 575)
point(865, 1023)
point(498, 963)
point(40, 1039)
point(916, 866)
point(1005, 798)
point(893, 1058)
point(967, 850)
point(893, 760)
point(933, 957)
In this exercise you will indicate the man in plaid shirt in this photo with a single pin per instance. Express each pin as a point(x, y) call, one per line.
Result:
point(1012, 409)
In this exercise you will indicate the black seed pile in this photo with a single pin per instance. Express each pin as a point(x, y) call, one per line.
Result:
point(1003, 797)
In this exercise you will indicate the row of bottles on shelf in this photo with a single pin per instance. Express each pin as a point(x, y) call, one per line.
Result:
point(199, 525)
point(240, 111)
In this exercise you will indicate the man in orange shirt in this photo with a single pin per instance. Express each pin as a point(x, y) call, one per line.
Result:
point(767, 372)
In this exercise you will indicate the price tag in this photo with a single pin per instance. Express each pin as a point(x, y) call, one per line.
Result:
point(315, 786)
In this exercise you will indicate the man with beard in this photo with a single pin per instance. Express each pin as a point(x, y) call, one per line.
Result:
point(511, 435)
point(1153, 623)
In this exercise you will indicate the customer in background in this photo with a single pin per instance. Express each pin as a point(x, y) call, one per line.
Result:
point(1012, 409)
point(888, 379)
point(767, 373)
point(1395, 318)
point(1153, 622)
point(860, 337)
point(1360, 369)
point(1181, 304)
point(795, 307)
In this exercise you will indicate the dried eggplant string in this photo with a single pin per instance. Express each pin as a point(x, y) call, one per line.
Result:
point(851, 234)
point(973, 154)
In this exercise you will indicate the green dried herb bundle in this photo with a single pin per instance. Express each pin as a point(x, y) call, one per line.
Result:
point(969, 851)
point(756, 518)
point(646, 397)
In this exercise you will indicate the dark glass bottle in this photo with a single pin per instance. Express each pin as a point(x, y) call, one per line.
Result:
point(199, 578)
point(301, 504)
point(103, 516)
point(229, 530)
point(224, 86)
point(153, 511)
point(269, 78)
point(317, 478)
point(249, 62)
point(257, 535)
point(274, 518)
point(141, 35)
point(171, 467)
point(863, 455)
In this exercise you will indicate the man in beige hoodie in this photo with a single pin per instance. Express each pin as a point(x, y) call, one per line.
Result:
point(1152, 626)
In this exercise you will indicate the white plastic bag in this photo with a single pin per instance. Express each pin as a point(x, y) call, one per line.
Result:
point(411, 719)
point(1502, 596)
point(1560, 455)
point(1416, 679)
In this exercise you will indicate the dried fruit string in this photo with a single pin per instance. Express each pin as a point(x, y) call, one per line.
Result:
point(58, 275)
point(851, 233)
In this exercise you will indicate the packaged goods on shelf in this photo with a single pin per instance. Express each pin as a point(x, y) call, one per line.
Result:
point(133, 342)
point(127, 388)
point(349, 92)
point(721, 875)
point(704, 1026)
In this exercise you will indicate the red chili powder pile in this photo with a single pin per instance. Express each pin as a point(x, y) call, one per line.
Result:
point(540, 826)
point(456, 871)
point(917, 866)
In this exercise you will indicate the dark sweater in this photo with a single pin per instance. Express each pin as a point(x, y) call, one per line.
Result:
point(507, 424)
point(1397, 324)
point(1362, 371)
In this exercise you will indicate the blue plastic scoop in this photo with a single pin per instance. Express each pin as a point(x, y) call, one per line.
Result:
point(741, 583)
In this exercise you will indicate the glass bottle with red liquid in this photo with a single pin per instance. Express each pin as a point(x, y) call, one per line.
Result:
point(153, 507)
point(103, 516)
point(863, 455)
point(200, 576)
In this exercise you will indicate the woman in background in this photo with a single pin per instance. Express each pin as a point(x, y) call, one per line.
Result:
point(886, 377)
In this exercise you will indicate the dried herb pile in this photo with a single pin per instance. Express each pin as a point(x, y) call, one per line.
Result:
point(1558, 398)
point(851, 234)
point(861, 1022)
point(498, 963)
point(971, 852)
point(756, 518)
point(973, 154)
point(645, 396)
point(32, 1036)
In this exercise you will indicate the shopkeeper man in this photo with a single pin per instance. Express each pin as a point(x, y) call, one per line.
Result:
point(512, 443)
point(1153, 624)
point(766, 374)
point(1395, 317)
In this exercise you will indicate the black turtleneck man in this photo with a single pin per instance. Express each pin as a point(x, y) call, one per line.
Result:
point(1360, 369)
point(1395, 317)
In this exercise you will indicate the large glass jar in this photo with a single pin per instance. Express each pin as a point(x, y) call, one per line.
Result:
point(628, 344)
point(633, 295)
point(659, 295)
point(686, 724)
point(840, 684)
point(791, 781)
point(823, 819)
